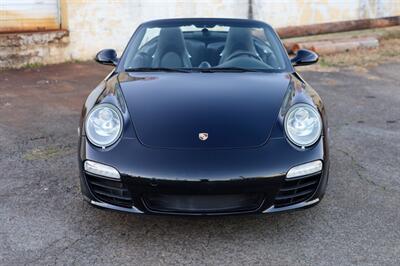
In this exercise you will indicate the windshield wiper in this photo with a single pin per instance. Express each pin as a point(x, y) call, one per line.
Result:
point(156, 69)
point(228, 69)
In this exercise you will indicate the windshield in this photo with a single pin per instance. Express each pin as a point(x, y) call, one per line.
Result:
point(194, 46)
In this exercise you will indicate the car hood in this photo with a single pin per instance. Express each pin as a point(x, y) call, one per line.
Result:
point(236, 110)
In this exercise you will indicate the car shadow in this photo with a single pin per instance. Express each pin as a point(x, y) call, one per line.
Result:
point(221, 228)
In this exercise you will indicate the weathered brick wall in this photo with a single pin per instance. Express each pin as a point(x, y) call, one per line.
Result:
point(21, 49)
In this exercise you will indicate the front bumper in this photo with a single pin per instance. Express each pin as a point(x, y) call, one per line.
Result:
point(272, 209)
point(167, 181)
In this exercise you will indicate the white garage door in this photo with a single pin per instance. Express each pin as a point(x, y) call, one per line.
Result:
point(29, 15)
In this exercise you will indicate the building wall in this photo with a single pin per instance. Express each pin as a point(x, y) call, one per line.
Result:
point(18, 50)
point(95, 25)
point(281, 13)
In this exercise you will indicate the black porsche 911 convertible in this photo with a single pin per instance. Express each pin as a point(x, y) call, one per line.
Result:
point(203, 117)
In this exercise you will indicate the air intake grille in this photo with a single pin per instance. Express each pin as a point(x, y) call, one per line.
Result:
point(203, 203)
point(109, 191)
point(296, 190)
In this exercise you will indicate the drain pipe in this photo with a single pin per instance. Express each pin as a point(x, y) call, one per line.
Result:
point(250, 9)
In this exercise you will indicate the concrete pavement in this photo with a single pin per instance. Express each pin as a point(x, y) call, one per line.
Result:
point(44, 220)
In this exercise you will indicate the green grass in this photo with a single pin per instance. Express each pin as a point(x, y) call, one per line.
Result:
point(32, 65)
point(45, 153)
point(325, 63)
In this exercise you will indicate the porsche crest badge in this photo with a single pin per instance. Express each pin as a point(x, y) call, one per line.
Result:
point(203, 136)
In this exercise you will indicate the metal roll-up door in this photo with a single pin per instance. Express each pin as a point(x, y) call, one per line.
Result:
point(29, 15)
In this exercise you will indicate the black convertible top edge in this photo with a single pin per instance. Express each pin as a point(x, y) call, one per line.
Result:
point(209, 22)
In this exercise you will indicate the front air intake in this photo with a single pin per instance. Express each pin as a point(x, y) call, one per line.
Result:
point(109, 191)
point(296, 190)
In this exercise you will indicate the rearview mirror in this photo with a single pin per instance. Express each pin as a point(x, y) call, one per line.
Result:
point(304, 57)
point(107, 57)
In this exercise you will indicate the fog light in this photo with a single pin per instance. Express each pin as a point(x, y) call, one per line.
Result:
point(305, 169)
point(101, 169)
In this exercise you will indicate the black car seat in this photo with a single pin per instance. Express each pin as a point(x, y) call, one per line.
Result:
point(197, 51)
point(171, 50)
point(238, 41)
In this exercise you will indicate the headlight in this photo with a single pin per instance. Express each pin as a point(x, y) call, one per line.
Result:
point(303, 125)
point(103, 125)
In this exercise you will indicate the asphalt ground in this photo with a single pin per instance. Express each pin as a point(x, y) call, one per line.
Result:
point(44, 220)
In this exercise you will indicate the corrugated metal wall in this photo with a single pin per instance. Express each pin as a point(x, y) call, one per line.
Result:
point(29, 15)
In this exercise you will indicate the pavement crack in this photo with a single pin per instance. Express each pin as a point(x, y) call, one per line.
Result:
point(357, 167)
point(62, 251)
point(44, 253)
point(75, 242)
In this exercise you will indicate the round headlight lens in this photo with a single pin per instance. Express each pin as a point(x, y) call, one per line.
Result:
point(303, 125)
point(103, 125)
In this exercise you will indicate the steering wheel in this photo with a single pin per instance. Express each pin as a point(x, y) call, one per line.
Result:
point(240, 53)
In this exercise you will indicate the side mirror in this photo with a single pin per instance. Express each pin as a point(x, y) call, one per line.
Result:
point(107, 57)
point(304, 57)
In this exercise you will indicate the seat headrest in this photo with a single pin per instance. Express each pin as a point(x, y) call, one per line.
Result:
point(238, 39)
point(171, 40)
